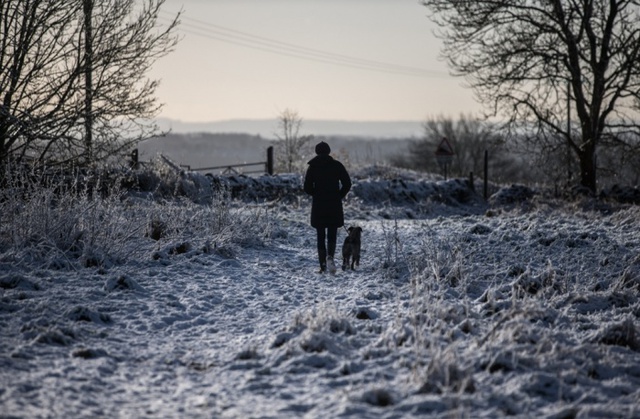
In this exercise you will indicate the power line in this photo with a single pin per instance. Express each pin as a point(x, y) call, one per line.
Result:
point(247, 40)
point(305, 50)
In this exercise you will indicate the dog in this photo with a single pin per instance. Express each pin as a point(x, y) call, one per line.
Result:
point(351, 248)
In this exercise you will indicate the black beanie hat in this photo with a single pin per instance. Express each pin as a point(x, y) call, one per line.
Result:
point(323, 148)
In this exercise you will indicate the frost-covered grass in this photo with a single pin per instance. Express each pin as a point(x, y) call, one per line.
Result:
point(74, 221)
point(200, 304)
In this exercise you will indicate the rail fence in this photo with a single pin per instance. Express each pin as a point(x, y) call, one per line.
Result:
point(267, 165)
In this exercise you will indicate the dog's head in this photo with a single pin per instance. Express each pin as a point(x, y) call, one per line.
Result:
point(355, 232)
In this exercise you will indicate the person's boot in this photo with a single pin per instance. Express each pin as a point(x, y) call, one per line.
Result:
point(323, 261)
point(331, 265)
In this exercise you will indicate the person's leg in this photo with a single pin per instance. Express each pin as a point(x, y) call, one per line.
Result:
point(322, 249)
point(332, 237)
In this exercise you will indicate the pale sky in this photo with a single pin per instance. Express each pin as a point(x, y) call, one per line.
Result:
point(365, 60)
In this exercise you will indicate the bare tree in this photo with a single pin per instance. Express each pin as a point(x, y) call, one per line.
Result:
point(469, 138)
point(72, 76)
point(533, 61)
point(126, 43)
point(39, 72)
point(292, 143)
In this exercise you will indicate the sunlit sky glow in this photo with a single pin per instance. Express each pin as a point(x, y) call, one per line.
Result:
point(367, 60)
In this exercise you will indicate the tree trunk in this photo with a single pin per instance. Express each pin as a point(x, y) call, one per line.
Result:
point(3, 140)
point(588, 169)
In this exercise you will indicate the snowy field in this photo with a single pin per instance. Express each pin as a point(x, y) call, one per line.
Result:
point(458, 309)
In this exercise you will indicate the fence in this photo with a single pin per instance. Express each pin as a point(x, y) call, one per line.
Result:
point(231, 168)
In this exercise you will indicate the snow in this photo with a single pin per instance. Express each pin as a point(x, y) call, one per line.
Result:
point(523, 306)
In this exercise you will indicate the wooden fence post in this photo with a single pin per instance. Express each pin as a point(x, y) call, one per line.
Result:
point(134, 159)
point(270, 160)
point(486, 174)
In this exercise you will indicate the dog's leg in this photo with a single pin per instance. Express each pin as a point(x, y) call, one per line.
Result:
point(345, 256)
point(356, 257)
point(346, 253)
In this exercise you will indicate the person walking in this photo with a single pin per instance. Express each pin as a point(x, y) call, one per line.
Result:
point(328, 182)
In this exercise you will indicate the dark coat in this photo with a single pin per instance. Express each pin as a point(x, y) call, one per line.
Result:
point(328, 182)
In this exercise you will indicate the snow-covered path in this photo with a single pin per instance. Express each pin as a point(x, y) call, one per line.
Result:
point(531, 314)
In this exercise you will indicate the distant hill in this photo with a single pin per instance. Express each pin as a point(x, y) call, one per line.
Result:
point(267, 127)
point(203, 149)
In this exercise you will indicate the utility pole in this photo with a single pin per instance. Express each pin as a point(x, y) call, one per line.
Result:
point(88, 80)
point(568, 133)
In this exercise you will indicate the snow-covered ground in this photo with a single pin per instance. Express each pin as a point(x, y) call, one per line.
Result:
point(458, 309)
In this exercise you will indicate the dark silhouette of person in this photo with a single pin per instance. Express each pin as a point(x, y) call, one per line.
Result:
point(328, 182)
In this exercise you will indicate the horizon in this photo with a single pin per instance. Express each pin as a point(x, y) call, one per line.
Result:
point(267, 127)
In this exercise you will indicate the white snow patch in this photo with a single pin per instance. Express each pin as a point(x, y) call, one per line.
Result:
point(453, 313)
